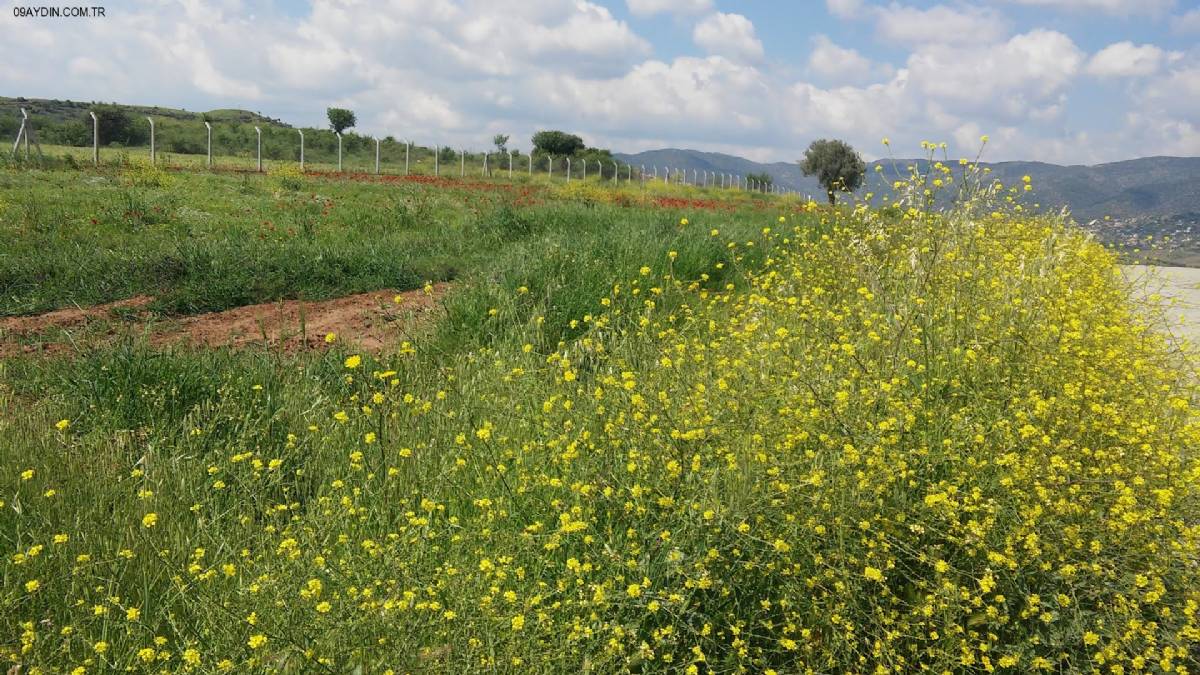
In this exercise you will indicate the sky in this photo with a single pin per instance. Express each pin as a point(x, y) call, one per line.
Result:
point(1064, 81)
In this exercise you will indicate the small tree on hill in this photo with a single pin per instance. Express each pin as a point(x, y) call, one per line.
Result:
point(835, 164)
point(557, 143)
point(340, 119)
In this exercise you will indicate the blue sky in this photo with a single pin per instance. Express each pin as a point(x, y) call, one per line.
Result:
point(1068, 81)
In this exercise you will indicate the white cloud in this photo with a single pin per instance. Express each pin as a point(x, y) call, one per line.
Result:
point(651, 7)
point(730, 35)
point(832, 62)
point(455, 72)
point(1175, 93)
point(845, 9)
point(1118, 7)
point(1125, 59)
point(1027, 75)
point(939, 24)
point(1188, 22)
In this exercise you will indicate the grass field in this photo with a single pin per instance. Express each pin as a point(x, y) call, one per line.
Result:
point(421, 162)
point(643, 430)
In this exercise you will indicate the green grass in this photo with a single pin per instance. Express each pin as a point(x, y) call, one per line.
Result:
point(201, 242)
point(778, 437)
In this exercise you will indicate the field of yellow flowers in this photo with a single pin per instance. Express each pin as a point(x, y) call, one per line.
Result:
point(861, 440)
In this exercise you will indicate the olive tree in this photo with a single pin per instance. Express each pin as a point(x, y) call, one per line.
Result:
point(835, 164)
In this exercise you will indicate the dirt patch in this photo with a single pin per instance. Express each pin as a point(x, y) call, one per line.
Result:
point(375, 321)
point(72, 317)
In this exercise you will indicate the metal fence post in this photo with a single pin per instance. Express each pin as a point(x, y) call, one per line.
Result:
point(568, 169)
point(485, 171)
point(152, 157)
point(258, 147)
point(584, 169)
point(301, 132)
point(406, 144)
point(462, 166)
point(376, 155)
point(208, 127)
point(339, 137)
point(95, 139)
point(510, 164)
point(550, 163)
point(436, 151)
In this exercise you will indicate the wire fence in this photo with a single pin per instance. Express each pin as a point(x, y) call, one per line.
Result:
point(234, 147)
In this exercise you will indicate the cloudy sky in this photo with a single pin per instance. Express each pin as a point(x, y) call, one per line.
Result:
point(1068, 81)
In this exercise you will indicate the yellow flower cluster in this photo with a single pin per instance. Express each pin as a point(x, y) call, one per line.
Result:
point(909, 440)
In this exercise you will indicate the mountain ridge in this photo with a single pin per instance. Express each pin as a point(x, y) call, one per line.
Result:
point(1161, 187)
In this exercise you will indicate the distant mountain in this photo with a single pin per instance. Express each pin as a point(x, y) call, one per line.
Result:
point(1158, 188)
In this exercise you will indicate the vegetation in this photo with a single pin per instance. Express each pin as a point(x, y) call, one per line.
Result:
point(340, 119)
point(742, 435)
point(557, 143)
point(836, 165)
point(762, 180)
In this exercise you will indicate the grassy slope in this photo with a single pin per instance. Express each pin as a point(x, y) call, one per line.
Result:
point(201, 242)
point(835, 441)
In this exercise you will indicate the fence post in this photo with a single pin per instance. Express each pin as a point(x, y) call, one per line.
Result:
point(301, 132)
point(462, 163)
point(510, 164)
point(339, 137)
point(550, 161)
point(406, 144)
point(208, 127)
point(258, 146)
point(530, 162)
point(584, 169)
point(152, 157)
point(376, 155)
point(95, 139)
point(17, 142)
point(485, 171)
point(437, 150)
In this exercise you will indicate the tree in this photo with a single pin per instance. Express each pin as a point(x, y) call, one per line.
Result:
point(557, 143)
point(116, 126)
point(835, 164)
point(763, 180)
point(340, 119)
point(501, 143)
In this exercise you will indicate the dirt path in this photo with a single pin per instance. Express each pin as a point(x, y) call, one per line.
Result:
point(372, 321)
point(1179, 288)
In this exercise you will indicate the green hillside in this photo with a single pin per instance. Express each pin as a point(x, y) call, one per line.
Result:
point(54, 112)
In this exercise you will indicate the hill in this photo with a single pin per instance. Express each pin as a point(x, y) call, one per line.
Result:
point(54, 111)
point(1147, 190)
